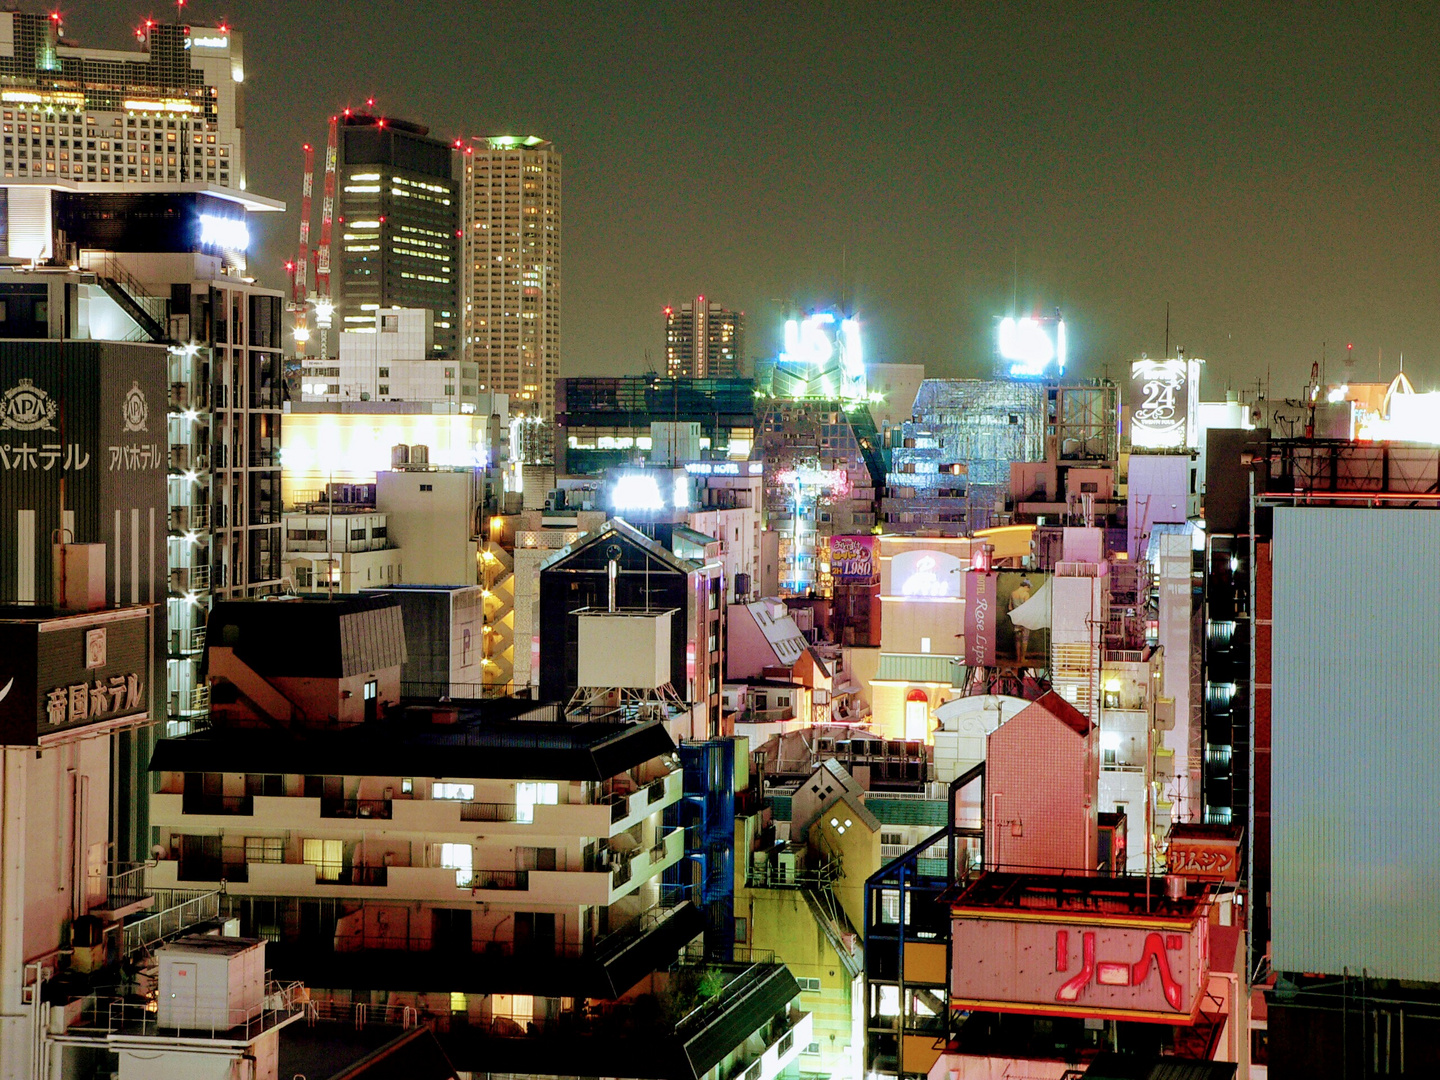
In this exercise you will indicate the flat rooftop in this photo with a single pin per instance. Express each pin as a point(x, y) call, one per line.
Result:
point(1001, 894)
point(476, 739)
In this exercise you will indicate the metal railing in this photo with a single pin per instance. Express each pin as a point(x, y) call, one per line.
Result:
point(126, 886)
point(488, 811)
point(280, 1002)
point(360, 1014)
point(655, 790)
point(517, 880)
point(178, 910)
point(364, 875)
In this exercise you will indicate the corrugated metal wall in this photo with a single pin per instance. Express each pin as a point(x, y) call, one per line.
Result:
point(1356, 742)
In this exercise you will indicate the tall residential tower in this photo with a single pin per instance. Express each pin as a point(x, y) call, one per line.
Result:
point(512, 260)
point(703, 340)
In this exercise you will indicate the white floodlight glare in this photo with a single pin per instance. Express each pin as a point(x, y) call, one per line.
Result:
point(231, 234)
point(1030, 349)
point(636, 491)
point(682, 492)
point(853, 358)
point(324, 309)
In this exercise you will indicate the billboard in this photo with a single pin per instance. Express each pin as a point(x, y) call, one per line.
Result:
point(1204, 852)
point(822, 358)
point(852, 559)
point(72, 675)
point(1124, 967)
point(926, 574)
point(1356, 870)
point(1165, 404)
point(1030, 347)
point(980, 611)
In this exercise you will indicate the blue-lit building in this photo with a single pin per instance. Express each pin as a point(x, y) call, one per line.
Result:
point(713, 771)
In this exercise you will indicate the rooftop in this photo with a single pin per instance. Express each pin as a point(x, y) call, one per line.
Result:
point(483, 742)
point(996, 893)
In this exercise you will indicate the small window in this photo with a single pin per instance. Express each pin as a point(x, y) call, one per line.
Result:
point(384, 374)
point(407, 786)
point(427, 487)
point(742, 931)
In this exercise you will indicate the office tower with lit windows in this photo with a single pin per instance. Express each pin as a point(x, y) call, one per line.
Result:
point(512, 263)
point(397, 237)
point(703, 340)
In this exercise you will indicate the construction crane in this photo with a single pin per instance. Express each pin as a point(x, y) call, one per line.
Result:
point(301, 283)
point(320, 299)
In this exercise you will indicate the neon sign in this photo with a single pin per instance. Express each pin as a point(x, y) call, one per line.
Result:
point(925, 574)
point(1031, 345)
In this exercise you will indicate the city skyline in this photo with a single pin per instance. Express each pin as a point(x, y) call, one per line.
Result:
point(1254, 169)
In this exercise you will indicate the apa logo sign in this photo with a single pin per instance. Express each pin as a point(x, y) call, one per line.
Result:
point(26, 407)
point(133, 409)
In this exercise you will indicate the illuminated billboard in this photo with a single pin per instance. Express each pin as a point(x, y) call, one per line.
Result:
point(1031, 347)
point(926, 575)
point(1007, 618)
point(822, 358)
point(852, 559)
point(1165, 404)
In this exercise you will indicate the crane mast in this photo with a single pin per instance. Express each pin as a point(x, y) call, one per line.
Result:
point(301, 283)
point(324, 305)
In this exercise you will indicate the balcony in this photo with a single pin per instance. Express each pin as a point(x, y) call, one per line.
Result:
point(487, 811)
point(217, 805)
point(355, 808)
point(513, 880)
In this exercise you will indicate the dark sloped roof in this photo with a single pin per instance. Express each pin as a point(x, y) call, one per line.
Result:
point(1063, 711)
point(497, 750)
point(325, 639)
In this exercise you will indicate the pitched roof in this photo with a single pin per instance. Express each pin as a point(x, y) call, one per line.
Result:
point(620, 527)
point(1063, 711)
point(312, 638)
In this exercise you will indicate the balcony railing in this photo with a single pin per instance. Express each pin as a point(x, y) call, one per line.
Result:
point(619, 805)
point(488, 811)
point(355, 808)
point(655, 791)
point(517, 880)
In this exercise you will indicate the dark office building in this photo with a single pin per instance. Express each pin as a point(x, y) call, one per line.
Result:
point(397, 238)
point(601, 423)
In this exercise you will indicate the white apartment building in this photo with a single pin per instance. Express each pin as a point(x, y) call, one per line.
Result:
point(392, 360)
point(346, 550)
point(512, 227)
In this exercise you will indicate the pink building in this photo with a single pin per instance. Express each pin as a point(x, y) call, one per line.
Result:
point(1042, 777)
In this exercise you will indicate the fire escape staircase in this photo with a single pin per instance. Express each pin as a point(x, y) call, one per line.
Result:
point(127, 292)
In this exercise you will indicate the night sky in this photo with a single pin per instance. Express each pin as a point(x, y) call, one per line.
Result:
point(1269, 170)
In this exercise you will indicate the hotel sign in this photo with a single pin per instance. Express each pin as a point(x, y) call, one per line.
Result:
point(1124, 967)
point(67, 672)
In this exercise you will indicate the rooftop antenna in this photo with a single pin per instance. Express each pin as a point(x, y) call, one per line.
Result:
point(1167, 329)
point(1015, 282)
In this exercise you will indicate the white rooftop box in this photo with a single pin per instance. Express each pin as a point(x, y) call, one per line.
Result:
point(628, 650)
point(211, 983)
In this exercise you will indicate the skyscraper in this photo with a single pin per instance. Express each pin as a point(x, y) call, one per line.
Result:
point(512, 262)
point(703, 340)
point(397, 239)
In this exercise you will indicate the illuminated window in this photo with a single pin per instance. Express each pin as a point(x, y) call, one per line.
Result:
point(528, 796)
point(464, 792)
point(460, 858)
point(327, 856)
point(265, 849)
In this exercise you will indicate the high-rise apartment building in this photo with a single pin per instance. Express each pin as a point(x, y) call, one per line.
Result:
point(512, 262)
point(397, 241)
point(703, 340)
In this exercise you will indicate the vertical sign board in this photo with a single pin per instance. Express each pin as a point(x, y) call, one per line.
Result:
point(852, 559)
point(1165, 404)
point(982, 602)
point(1130, 967)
